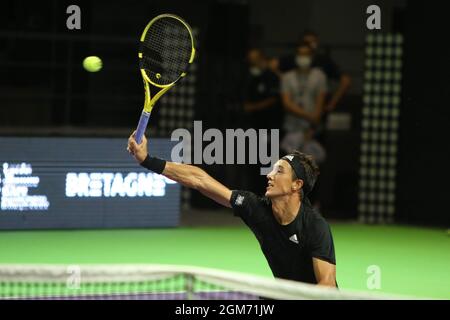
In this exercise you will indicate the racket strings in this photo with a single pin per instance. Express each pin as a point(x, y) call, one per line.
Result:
point(166, 50)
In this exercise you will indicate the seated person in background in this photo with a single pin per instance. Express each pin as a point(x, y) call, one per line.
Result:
point(303, 91)
point(322, 61)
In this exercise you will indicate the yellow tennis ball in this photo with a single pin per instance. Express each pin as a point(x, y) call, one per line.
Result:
point(92, 64)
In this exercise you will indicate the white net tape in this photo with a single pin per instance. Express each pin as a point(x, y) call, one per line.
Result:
point(17, 281)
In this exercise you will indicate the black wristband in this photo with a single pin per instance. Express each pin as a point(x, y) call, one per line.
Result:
point(154, 164)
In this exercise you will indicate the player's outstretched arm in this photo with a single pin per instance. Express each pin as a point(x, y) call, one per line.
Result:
point(196, 178)
point(187, 175)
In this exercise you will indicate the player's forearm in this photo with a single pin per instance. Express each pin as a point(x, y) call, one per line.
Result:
point(328, 282)
point(325, 272)
point(196, 178)
point(326, 277)
point(187, 175)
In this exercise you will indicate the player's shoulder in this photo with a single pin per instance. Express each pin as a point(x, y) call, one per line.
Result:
point(251, 208)
point(315, 221)
point(245, 197)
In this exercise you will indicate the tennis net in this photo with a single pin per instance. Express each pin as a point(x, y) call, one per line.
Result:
point(154, 282)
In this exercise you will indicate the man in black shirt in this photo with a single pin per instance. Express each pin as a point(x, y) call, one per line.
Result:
point(295, 240)
point(262, 93)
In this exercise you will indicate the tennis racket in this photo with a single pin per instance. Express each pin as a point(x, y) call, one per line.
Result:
point(166, 50)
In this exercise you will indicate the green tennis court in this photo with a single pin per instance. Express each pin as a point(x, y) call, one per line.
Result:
point(412, 261)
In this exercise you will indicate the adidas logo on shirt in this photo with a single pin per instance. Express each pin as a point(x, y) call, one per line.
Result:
point(294, 238)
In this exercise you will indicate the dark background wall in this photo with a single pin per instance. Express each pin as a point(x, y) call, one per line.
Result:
point(58, 94)
point(423, 189)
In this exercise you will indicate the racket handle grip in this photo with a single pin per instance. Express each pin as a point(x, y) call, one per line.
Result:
point(142, 126)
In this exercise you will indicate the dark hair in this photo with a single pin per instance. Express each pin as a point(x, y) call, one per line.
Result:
point(303, 44)
point(311, 170)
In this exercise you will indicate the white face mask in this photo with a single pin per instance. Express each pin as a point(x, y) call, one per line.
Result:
point(255, 71)
point(303, 62)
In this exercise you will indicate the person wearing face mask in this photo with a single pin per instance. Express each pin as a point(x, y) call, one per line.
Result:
point(323, 61)
point(303, 92)
point(261, 106)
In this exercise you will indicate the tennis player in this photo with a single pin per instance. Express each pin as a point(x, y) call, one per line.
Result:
point(295, 240)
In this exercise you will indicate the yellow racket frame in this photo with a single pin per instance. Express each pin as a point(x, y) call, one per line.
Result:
point(149, 102)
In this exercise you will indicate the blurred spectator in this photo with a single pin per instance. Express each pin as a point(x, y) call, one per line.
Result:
point(262, 107)
point(303, 93)
point(261, 98)
point(322, 61)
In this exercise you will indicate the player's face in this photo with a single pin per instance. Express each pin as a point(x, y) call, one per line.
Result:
point(279, 180)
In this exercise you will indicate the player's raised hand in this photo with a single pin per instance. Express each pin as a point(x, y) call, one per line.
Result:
point(139, 151)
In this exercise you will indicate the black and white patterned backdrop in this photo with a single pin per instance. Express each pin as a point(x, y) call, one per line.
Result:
point(380, 122)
